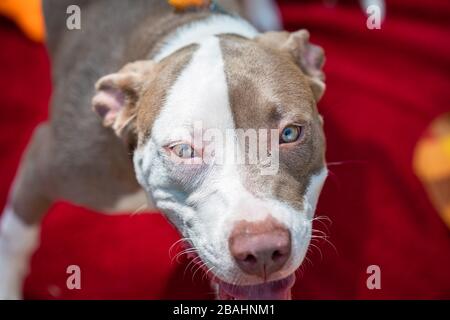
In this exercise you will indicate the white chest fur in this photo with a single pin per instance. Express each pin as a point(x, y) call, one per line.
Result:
point(197, 31)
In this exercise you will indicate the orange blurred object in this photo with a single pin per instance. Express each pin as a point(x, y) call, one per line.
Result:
point(27, 14)
point(432, 164)
point(186, 4)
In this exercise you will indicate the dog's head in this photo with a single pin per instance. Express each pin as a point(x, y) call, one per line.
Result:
point(229, 144)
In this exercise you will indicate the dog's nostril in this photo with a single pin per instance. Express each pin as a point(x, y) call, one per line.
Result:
point(277, 255)
point(250, 259)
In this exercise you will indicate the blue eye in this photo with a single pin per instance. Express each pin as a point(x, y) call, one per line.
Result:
point(184, 151)
point(290, 134)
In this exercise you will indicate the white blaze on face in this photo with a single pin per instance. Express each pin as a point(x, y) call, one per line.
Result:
point(199, 94)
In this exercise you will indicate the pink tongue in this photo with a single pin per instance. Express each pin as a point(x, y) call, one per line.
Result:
point(277, 290)
point(268, 294)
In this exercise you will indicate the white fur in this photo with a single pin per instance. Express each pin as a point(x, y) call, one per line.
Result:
point(197, 31)
point(313, 191)
point(17, 243)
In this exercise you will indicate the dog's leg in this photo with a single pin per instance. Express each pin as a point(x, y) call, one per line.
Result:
point(19, 223)
point(17, 243)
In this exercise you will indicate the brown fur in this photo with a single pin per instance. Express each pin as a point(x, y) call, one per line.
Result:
point(260, 100)
point(154, 94)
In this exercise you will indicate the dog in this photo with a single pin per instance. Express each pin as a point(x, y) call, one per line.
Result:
point(150, 74)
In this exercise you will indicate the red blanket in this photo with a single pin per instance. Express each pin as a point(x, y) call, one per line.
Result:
point(384, 87)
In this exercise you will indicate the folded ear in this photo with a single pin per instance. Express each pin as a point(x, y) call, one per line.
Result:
point(309, 57)
point(117, 95)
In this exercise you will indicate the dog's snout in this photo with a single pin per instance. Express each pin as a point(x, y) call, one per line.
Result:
point(260, 248)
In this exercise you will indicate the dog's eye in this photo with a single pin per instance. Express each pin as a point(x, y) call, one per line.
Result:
point(290, 134)
point(184, 151)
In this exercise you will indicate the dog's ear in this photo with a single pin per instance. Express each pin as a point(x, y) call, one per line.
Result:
point(117, 95)
point(309, 57)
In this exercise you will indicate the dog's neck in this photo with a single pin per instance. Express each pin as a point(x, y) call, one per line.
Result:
point(194, 32)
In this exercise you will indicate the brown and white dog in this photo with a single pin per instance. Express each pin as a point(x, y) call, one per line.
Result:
point(152, 75)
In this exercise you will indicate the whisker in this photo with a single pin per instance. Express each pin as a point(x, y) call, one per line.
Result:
point(177, 242)
point(325, 238)
point(140, 209)
point(331, 244)
point(190, 263)
point(205, 274)
point(186, 252)
point(321, 218)
point(324, 221)
point(344, 162)
point(299, 272)
point(200, 267)
point(320, 232)
point(309, 261)
point(318, 249)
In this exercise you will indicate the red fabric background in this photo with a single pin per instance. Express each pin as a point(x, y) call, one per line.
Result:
point(384, 87)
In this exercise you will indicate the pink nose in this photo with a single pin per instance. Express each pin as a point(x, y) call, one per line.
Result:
point(261, 248)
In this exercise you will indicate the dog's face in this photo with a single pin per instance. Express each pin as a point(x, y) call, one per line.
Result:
point(229, 145)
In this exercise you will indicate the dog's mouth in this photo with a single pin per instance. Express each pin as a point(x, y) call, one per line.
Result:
point(275, 290)
point(270, 290)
